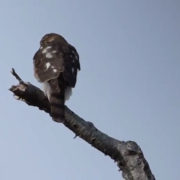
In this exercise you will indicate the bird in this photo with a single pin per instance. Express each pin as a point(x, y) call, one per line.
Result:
point(56, 64)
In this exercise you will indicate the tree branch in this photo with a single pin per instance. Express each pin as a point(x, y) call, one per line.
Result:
point(128, 155)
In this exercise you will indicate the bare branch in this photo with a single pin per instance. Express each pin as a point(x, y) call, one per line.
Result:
point(128, 155)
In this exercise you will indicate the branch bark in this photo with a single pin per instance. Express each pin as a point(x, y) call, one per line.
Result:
point(128, 155)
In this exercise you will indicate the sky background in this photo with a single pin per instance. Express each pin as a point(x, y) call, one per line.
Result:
point(128, 86)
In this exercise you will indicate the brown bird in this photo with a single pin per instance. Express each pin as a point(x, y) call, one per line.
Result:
point(56, 64)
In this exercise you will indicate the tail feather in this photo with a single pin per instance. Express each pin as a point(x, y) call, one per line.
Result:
point(57, 106)
point(56, 100)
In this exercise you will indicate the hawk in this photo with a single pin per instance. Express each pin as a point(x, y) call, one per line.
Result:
point(56, 64)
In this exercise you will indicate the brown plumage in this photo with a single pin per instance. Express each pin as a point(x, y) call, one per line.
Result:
point(56, 64)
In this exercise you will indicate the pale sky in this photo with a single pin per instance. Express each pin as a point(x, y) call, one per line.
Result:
point(128, 86)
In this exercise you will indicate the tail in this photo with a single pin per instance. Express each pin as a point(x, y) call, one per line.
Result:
point(56, 100)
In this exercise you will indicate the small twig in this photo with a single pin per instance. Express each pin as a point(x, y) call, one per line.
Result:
point(17, 76)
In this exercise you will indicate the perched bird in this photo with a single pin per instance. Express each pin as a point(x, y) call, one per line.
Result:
point(56, 64)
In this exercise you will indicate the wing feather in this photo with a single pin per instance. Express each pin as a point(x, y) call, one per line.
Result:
point(71, 66)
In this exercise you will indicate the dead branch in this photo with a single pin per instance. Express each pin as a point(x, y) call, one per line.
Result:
point(128, 155)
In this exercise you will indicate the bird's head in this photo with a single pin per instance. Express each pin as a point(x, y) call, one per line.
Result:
point(51, 38)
